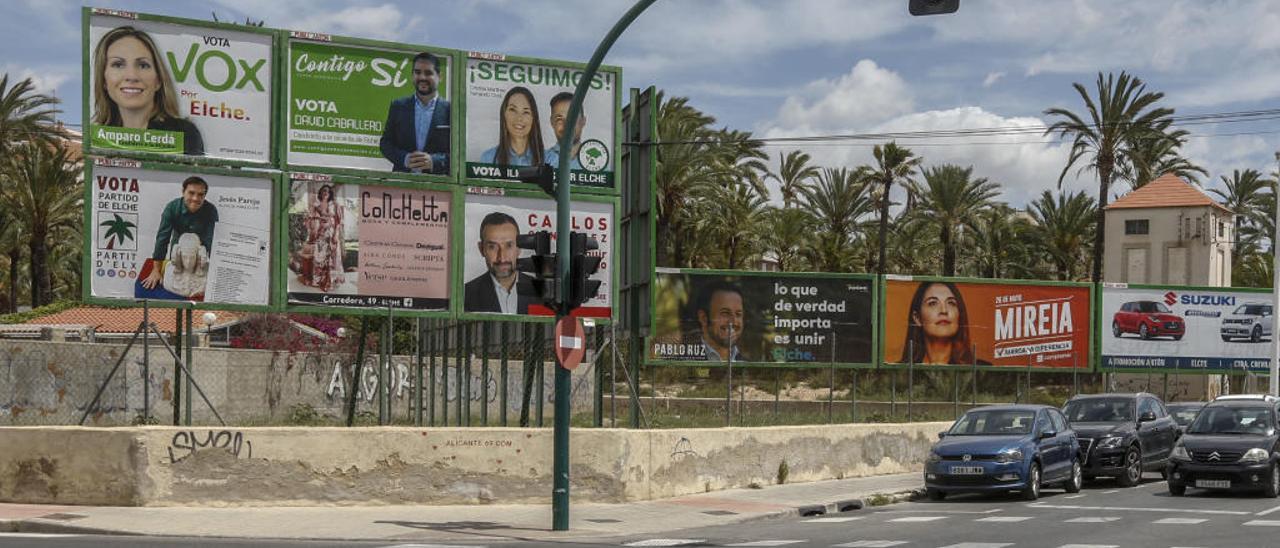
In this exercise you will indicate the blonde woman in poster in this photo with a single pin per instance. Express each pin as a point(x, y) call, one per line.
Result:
point(324, 242)
point(132, 88)
point(519, 132)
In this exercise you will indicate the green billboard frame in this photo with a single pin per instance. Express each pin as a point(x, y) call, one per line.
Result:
point(875, 306)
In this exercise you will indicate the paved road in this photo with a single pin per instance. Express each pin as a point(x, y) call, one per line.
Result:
point(1103, 515)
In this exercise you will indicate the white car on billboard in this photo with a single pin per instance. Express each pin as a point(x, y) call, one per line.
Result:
point(1250, 321)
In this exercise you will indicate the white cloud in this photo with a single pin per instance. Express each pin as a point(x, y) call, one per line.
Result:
point(991, 79)
point(867, 95)
point(46, 80)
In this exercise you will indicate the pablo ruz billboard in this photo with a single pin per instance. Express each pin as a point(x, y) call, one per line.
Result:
point(367, 246)
point(516, 112)
point(704, 317)
point(1186, 328)
point(179, 235)
point(493, 285)
point(177, 87)
point(354, 106)
point(986, 323)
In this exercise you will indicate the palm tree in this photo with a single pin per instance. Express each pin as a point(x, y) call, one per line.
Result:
point(732, 217)
point(1157, 155)
point(837, 200)
point(1063, 223)
point(1243, 193)
point(24, 114)
point(45, 193)
point(1000, 239)
point(1123, 114)
point(784, 234)
point(951, 199)
point(893, 163)
point(794, 172)
point(12, 237)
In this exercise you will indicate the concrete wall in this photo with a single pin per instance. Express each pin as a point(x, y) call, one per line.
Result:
point(52, 383)
point(162, 466)
point(1194, 229)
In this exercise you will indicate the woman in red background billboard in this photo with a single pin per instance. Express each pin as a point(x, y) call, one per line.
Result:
point(938, 327)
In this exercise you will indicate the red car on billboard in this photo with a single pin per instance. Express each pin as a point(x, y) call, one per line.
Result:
point(1148, 319)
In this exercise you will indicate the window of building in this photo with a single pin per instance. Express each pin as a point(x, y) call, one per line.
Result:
point(1222, 229)
point(1137, 226)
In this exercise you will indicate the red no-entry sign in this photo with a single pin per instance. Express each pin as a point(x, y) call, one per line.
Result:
point(571, 342)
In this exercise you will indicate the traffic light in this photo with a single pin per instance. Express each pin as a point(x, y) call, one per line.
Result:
point(542, 175)
point(581, 266)
point(542, 266)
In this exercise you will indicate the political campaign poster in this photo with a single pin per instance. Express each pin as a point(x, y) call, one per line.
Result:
point(167, 234)
point(706, 317)
point(492, 281)
point(367, 246)
point(177, 87)
point(995, 323)
point(1187, 329)
point(359, 106)
point(516, 113)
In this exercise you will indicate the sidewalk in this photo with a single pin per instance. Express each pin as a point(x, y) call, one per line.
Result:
point(460, 523)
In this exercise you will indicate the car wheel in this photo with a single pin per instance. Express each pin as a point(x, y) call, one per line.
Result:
point(1164, 474)
point(1226, 338)
point(1142, 332)
point(1032, 491)
point(1132, 474)
point(1177, 337)
point(1256, 334)
point(1115, 330)
point(935, 495)
point(1272, 490)
point(1077, 478)
point(1177, 489)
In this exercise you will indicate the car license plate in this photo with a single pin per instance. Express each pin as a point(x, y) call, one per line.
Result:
point(1213, 484)
point(966, 470)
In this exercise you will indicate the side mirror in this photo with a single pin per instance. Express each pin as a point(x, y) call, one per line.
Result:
point(1048, 434)
point(942, 434)
point(1146, 417)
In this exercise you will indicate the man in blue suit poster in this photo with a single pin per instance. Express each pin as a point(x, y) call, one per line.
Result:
point(415, 138)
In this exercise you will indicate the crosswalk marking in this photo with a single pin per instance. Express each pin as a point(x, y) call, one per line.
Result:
point(1088, 546)
point(1179, 521)
point(871, 544)
point(833, 520)
point(1005, 519)
point(917, 519)
point(980, 545)
point(1263, 523)
point(36, 535)
point(1092, 520)
point(767, 543)
point(665, 542)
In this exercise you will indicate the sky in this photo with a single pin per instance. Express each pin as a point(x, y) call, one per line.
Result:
point(816, 67)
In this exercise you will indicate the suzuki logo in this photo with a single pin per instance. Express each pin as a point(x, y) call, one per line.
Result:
point(967, 458)
point(1214, 456)
point(1170, 298)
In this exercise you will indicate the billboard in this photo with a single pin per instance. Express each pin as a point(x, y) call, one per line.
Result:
point(177, 87)
point(936, 321)
point(367, 246)
point(703, 317)
point(178, 234)
point(516, 110)
point(1186, 328)
point(491, 282)
point(355, 106)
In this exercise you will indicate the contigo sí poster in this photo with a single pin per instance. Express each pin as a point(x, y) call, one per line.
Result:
point(493, 282)
point(1186, 329)
point(516, 114)
point(777, 318)
point(168, 88)
point(173, 235)
point(367, 246)
point(358, 107)
point(986, 323)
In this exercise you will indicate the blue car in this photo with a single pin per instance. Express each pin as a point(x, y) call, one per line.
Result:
point(1003, 448)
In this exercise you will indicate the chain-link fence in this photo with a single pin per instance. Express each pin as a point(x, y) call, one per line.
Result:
point(488, 373)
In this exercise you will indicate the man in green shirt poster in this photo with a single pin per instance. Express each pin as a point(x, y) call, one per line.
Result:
point(188, 214)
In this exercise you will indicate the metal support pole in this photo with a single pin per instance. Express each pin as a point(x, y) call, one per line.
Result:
point(459, 356)
point(418, 340)
point(146, 362)
point(911, 387)
point(955, 398)
point(177, 368)
point(355, 373)
point(189, 381)
point(1274, 382)
point(831, 392)
point(853, 397)
point(445, 331)
point(613, 375)
point(542, 373)
point(503, 342)
point(974, 376)
point(484, 372)
point(728, 394)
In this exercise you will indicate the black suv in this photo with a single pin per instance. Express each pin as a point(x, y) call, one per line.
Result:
point(1231, 445)
point(1122, 435)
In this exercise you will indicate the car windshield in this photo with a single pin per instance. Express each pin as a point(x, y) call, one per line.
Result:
point(1249, 310)
point(1152, 306)
point(1100, 410)
point(1183, 415)
point(993, 423)
point(1223, 420)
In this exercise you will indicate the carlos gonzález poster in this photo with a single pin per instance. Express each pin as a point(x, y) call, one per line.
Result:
point(181, 89)
point(516, 113)
point(174, 235)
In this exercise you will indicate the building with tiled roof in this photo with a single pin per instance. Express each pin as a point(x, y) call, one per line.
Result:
point(1168, 232)
point(106, 324)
